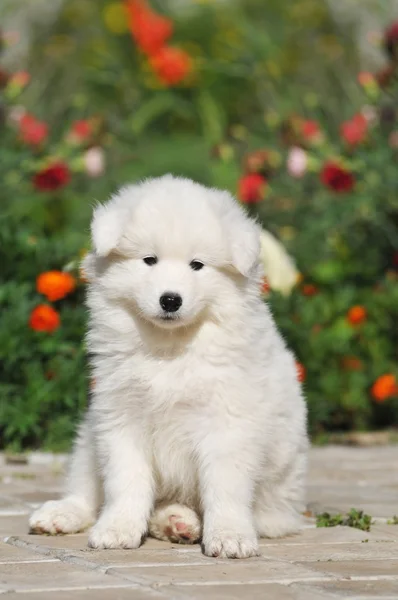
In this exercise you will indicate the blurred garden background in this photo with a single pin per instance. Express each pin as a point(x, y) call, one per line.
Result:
point(289, 104)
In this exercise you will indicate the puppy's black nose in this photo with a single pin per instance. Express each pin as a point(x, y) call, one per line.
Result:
point(170, 302)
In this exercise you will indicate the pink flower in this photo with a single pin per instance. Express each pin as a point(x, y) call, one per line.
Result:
point(16, 113)
point(297, 162)
point(94, 161)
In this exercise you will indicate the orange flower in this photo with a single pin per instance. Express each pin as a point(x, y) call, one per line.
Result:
point(366, 79)
point(55, 285)
point(309, 289)
point(301, 372)
point(384, 387)
point(356, 315)
point(20, 79)
point(44, 318)
point(149, 30)
point(171, 65)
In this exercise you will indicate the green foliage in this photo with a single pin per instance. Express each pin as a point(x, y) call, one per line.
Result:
point(354, 518)
point(256, 77)
point(43, 382)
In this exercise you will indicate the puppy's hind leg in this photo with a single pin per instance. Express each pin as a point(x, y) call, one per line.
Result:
point(278, 508)
point(175, 523)
point(78, 508)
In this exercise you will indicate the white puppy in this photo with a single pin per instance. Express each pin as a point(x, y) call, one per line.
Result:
point(197, 425)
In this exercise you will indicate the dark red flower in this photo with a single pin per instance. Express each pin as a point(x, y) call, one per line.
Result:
point(354, 131)
point(149, 30)
point(391, 41)
point(337, 178)
point(309, 289)
point(52, 177)
point(251, 188)
point(171, 65)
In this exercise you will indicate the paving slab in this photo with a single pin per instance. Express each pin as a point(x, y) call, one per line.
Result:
point(129, 593)
point(52, 575)
point(14, 554)
point(364, 569)
point(267, 591)
point(366, 590)
point(221, 571)
point(319, 563)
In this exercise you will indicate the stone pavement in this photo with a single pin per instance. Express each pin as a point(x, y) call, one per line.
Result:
point(338, 562)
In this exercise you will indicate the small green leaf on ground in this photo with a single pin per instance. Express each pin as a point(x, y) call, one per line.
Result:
point(393, 521)
point(354, 518)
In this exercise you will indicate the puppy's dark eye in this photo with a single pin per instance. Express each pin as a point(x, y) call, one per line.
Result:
point(150, 260)
point(196, 265)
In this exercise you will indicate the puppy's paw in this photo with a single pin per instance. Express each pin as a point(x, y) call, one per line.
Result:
point(230, 545)
point(176, 523)
point(60, 517)
point(112, 531)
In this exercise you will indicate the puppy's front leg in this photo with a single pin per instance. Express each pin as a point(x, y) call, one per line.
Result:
point(128, 488)
point(227, 485)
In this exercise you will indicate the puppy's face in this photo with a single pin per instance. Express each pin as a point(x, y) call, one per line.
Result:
point(171, 260)
point(167, 290)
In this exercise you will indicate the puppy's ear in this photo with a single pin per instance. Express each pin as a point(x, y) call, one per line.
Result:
point(242, 233)
point(110, 220)
point(107, 228)
point(245, 245)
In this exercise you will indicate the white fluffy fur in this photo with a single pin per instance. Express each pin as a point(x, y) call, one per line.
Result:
point(204, 411)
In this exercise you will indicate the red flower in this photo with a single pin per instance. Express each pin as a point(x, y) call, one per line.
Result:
point(265, 286)
point(352, 363)
point(149, 30)
point(310, 129)
point(81, 130)
point(52, 177)
point(301, 372)
point(309, 289)
point(337, 178)
point(391, 40)
point(251, 188)
point(44, 318)
point(31, 130)
point(354, 131)
point(171, 65)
